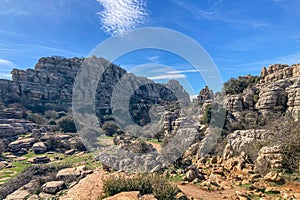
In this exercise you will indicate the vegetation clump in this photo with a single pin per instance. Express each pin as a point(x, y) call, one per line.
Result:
point(67, 124)
point(237, 86)
point(144, 183)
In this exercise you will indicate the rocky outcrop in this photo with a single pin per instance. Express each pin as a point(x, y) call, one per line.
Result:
point(50, 85)
point(270, 157)
point(72, 174)
point(293, 103)
point(243, 141)
point(278, 72)
point(273, 97)
point(20, 144)
point(239, 102)
point(13, 127)
point(205, 95)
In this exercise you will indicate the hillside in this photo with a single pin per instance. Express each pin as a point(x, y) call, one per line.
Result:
point(240, 143)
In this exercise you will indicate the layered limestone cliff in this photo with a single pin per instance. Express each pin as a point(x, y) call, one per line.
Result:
point(277, 90)
point(50, 85)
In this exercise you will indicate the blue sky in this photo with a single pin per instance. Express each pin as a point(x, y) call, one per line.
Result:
point(240, 36)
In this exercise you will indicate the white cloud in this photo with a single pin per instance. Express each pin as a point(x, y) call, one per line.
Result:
point(167, 76)
point(119, 16)
point(6, 62)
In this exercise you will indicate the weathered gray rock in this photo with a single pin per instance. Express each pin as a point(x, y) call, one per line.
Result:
point(17, 145)
point(71, 173)
point(270, 157)
point(39, 160)
point(39, 148)
point(243, 141)
point(18, 195)
point(53, 187)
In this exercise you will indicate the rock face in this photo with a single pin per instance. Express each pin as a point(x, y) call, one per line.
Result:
point(239, 102)
point(242, 141)
point(50, 85)
point(270, 157)
point(12, 127)
point(278, 72)
point(277, 90)
point(205, 95)
point(293, 103)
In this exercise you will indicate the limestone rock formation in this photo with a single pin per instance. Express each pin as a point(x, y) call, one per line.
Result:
point(243, 141)
point(270, 157)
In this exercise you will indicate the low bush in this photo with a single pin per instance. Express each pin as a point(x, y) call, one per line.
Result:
point(67, 124)
point(144, 183)
point(285, 132)
point(111, 128)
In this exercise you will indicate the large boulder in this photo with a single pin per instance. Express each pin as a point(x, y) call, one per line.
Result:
point(53, 187)
point(71, 174)
point(39, 148)
point(25, 143)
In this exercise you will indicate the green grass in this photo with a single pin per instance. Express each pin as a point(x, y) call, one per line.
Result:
point(86, 159)
point(246, 186)
point(155, 141)
point(175, 178)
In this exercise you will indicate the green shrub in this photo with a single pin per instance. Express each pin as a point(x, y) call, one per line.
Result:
point(110, 128)
point(236, 86)
point(67, 124)
point(144, 183)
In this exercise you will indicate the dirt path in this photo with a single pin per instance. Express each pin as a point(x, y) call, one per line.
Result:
point(156, 146)
point(195, 192)
point(88, 188)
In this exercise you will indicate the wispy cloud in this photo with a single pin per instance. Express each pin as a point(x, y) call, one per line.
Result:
point(119, 16)
point(5, 67)
point(167, 76)
point(214, 13)
point(289, 59)
point(6, 63)
point(154, 58)
point(186, 71)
